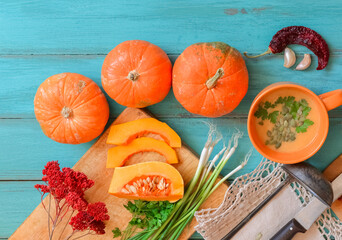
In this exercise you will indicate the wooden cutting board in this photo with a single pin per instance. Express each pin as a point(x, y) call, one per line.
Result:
point(93, 164)
point(332, 172)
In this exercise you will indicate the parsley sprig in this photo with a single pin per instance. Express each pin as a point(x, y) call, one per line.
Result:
point(145, 215)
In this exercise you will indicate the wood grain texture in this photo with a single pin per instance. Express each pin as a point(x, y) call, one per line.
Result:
point(93, 27)
point(93, 164)
point(332, 172)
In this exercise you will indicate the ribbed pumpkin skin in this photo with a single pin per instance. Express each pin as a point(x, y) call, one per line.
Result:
point(196, 65)
point(151, 64)
point(71, 91)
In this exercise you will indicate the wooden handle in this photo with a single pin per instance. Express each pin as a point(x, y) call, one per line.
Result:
point(337, 187)
point(289, 231)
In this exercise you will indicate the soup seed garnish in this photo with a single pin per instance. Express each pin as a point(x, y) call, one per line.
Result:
point(289, 122)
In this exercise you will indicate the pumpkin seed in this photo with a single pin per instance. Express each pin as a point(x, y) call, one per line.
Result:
point(124, 191)
point(269, 133)
point(133, 189)
point(128, 188)
point(278, 145)
point(160, 186)
point(148, 179)
point(156, 180)
point(288, 116)
point(292, 123)
point(286, 123)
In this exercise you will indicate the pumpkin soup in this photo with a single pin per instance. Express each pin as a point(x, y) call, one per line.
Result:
point(287, 120)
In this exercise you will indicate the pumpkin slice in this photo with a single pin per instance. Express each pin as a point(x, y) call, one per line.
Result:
point(126, 132)
point(117, 156)
point(150, 181)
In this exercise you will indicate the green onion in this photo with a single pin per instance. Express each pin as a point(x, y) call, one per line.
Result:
point(202, 185)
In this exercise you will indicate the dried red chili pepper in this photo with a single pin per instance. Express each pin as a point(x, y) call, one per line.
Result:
point(299, 35)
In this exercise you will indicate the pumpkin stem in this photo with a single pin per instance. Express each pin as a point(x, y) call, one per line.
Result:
point(133, 75)
point(66, 112)
point(211, 82)
point(262, 54)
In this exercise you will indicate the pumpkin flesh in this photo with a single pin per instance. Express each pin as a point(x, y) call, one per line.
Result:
point(124, 133)
point(150, 181)
point(194, 69)
point(117, 156)
point(71, 108)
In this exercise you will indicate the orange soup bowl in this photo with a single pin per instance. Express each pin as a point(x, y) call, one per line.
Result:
point(320, 104)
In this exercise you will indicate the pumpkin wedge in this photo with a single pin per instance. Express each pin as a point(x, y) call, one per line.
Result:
point(126, 132)
point(117, 156)
point(150, 181)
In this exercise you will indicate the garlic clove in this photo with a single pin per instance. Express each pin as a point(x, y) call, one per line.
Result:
point(305, 63)
point(289, 58)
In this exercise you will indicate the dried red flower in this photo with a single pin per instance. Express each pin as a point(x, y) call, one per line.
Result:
point(76, 181)
point(98, 227)
point(76, 202)
point(92, 219)
point(80, 221)
point(98, 211)
point(70, 185)
point(43, 188)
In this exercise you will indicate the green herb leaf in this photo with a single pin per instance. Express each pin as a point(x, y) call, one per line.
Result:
point(273, 116)
point(145, 215)
point(306, 111)
point(267, 105)
point(289, 100)
point(279, 100)
point(116, 232)
point(303, 102)
point(303, 128)
point(261, 113)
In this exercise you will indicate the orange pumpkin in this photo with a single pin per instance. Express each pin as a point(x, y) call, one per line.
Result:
point(136, 74)
point(210, 79)
point(71, 108)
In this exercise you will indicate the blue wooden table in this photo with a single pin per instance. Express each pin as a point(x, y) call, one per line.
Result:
point(42, 38)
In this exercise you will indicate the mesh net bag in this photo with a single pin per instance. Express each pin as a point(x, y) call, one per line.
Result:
point(248, 191)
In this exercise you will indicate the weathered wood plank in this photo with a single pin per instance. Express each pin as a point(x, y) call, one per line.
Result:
point(23, 75)
point(18, 200)
point(25, 149)
point(92, 27)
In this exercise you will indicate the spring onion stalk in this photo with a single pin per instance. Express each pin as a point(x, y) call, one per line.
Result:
point(202, 185)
